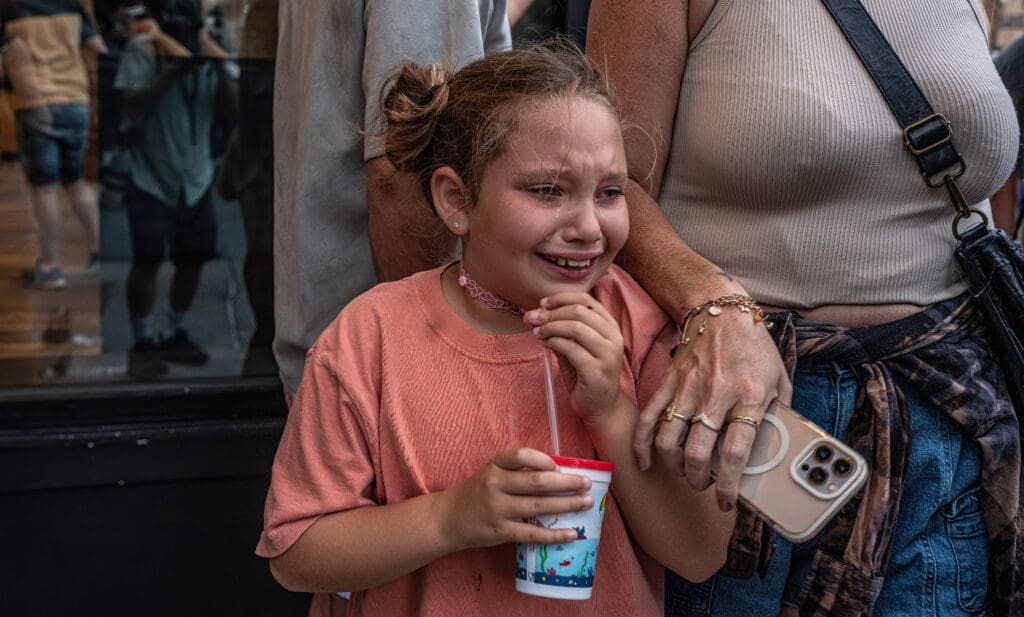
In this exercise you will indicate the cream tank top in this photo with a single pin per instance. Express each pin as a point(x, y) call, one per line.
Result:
point(788, 170)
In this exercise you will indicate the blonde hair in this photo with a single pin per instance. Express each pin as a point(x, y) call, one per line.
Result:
point(435, 118)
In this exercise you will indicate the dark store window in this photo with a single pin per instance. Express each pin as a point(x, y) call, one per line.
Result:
point(174, 116)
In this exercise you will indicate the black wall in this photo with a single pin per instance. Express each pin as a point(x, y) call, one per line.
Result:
point(139, 501)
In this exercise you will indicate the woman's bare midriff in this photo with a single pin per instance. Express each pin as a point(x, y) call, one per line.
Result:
point(854, 315)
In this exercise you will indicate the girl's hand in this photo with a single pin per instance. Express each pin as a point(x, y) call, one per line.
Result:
point(732, 370)
point(588, 342)
point(488, 508)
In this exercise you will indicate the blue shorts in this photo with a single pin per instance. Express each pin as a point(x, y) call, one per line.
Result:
point(939, 561)
point(188, 234)
point(52, 142)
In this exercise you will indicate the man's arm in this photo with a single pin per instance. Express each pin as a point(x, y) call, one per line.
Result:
point(406, 236)
point(95, 45)
point(990, 10)
point(1004, 205)
point(142, 85)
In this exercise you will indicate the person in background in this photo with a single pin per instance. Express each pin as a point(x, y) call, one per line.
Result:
point(768, 168)
point(247, 173)
point(1006, 203)
point(41, 44)
point(172, 77)
point(414, 447)
point(343, 217)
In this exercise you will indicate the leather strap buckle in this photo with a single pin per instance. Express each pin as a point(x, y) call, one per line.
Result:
point(928, 134)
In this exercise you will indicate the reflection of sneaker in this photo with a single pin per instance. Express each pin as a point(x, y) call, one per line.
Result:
point(179, 348)
point(44, 279)
point(144, 360)
point(92, 268)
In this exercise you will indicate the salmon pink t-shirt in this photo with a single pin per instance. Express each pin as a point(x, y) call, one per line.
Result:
point(400, 397)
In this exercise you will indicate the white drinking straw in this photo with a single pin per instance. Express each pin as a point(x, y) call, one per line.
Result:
point(549, 387)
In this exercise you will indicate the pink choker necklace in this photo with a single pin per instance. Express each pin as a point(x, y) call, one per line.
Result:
point(485, 297)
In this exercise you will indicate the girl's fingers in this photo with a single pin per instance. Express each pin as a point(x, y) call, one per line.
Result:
point(581, 359)
point(591, 341)
point(527, 506)
point(533, 534)
point(568, 299)
point(515, 459)
point(544, 483)
point(583, 308)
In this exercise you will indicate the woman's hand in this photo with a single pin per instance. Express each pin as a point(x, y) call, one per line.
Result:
point(488, 508)
point(732, 370)
point(588, 342)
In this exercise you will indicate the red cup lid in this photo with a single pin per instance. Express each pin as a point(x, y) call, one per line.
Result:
point(584, 463)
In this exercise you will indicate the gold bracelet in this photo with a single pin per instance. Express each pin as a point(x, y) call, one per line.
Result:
point(713, 308)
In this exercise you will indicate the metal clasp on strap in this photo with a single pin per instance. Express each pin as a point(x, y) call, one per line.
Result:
point(963, 211)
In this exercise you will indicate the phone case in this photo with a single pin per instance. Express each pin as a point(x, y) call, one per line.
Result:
point(799, 476)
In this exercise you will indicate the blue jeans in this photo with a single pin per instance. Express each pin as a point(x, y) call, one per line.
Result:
point(52, 141)
point(939, 560)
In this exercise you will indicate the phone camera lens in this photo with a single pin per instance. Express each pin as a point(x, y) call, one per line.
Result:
point(817, 475)
point(823, 453)
point(842, 466)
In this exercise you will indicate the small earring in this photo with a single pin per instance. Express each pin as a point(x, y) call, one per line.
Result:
point(455, 224)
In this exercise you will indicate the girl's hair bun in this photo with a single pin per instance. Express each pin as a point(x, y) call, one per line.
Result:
point(412, 107)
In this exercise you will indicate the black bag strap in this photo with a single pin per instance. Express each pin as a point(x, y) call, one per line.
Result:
point(926, 134)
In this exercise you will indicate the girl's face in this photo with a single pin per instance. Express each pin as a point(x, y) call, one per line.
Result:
point(551, 211)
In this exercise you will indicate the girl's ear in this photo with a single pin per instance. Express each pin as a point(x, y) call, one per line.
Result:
point(450, 199)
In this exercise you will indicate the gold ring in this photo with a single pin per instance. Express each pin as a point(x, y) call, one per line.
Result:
point(744, 420)
point(680, 416)
point(705, 419)
point(669, 414)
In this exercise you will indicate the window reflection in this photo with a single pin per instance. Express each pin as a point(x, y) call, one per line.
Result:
point(183, 168)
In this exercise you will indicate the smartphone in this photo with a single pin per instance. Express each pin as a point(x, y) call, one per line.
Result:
point(798, 475)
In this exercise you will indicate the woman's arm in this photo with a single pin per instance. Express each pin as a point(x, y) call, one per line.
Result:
point(734, 368)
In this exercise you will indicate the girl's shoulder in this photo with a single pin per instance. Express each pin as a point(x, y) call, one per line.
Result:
point(640, 318)
point(621, 294)
point(369, 317)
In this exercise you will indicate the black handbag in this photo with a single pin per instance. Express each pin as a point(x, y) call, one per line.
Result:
point(991, 263)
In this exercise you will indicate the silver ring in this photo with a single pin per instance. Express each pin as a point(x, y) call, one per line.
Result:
point(706, 420)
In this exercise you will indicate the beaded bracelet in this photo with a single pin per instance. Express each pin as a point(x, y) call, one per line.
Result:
point(713, 308)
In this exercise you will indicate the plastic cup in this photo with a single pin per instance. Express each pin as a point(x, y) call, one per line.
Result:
point(566, 571)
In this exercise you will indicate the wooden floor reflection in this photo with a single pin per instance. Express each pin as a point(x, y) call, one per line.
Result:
point(36, 323)
point(82, 334)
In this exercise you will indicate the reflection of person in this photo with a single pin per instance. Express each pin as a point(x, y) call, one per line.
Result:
point(1006, 202)
point(422, 406)
point(335, 196)
point(253, 173)
point(42, 42)
point(170, 93)
point(783, 177)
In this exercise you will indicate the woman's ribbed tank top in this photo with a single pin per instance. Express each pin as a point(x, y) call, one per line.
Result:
point(787, 168)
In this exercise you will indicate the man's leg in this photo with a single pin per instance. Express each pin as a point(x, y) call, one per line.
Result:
point(46, 210)
point(83, 204)
point(40, 155)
